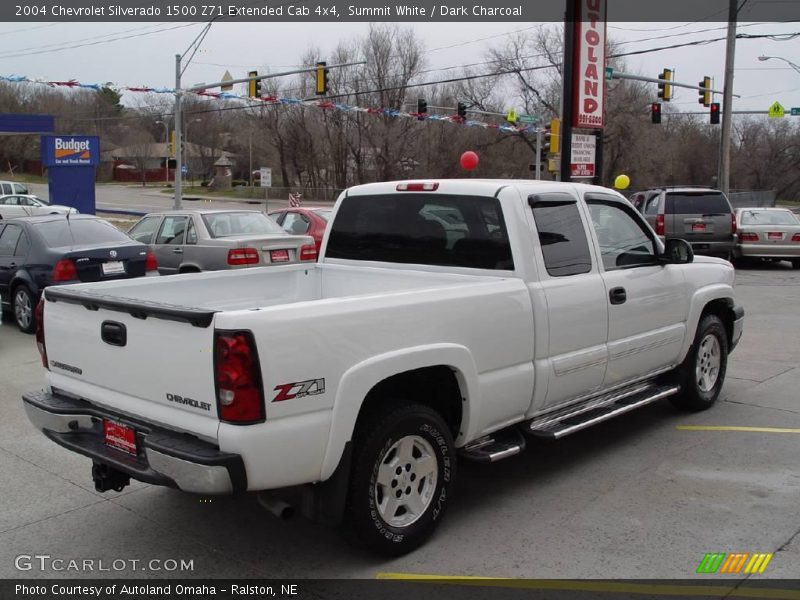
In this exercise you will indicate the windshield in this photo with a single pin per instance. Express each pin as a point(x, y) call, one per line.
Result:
point(768, 217)
point(62, 233)
point(226, 224)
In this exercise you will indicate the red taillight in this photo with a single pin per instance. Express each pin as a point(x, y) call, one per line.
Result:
point(240, 395)
point(659, 224)
point(242, 256)
point(150, 263)
point(422, 186)
point(796, 237)
point(39, 316)
point(308, 252)
point(748, 237)
point(733, 223)
point(65, 270)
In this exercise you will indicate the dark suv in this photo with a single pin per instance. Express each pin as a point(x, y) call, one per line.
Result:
point(701, 216)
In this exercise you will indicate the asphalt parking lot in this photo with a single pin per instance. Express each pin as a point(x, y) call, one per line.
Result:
point(637, 497)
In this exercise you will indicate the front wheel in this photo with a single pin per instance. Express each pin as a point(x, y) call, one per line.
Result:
point(23, 303)
point(402, 480)
point(796, 263)
point(703, 371)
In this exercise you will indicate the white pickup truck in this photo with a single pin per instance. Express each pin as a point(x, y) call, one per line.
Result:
point(444, 319)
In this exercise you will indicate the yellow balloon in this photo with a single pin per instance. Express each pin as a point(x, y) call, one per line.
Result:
point(622, 182)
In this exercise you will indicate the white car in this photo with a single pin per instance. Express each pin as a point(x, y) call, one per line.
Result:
point(27, 205)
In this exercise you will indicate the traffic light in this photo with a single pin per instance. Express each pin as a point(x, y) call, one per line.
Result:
point(705, 93)
point(555, 136)
point(422, 106)
point(321, 79)
point(253, 87)
point(462, 110)
point(714, 113)
point(655, 112)
point(665, 89)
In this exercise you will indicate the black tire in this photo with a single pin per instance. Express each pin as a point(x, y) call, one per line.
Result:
point(385, 440)
point(796, 263)
point(23, 305)
point(709, 352)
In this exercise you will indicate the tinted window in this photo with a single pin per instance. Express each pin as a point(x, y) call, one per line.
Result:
point(623, 241)
point(562, 237)
point(767, 217)
point(428, 229)
point(143, 231)
point(6, 188)
point(79, 232)
point(696, 203)
point(8, 239)
point(240, 223)
point(172, 231)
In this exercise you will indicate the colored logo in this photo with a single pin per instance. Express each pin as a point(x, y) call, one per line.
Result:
point(734, 563)
point(72, 150)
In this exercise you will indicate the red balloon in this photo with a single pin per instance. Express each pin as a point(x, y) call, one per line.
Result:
point(469, 160)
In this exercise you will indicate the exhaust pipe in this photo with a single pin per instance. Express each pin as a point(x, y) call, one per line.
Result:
point(276, 506)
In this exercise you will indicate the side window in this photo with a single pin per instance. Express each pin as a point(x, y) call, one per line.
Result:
point(20, 189)
point(6, 188)
point(652, 205)
point(191, 233)
point(172, 231)
point(295, 223)
point(278, 217)
point(561, 235)
point(623, 240)
point(8, 240)
point(22, 246)
point(143, 231)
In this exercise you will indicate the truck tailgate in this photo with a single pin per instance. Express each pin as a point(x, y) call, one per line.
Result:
point(154, 367)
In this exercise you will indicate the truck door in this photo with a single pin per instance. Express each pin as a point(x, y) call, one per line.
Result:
point(646, 301)
point(577, 317)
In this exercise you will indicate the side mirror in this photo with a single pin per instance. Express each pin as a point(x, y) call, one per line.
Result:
point(677, 252)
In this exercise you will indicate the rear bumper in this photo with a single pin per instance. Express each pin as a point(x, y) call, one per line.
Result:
point(738, 326)
point(713, 247)
point(768, 250)
point(163, 457)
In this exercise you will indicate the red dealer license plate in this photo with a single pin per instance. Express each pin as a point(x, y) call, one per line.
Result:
point(699, 227)
point(119, 436)
point(279, 255)
point(775, 235)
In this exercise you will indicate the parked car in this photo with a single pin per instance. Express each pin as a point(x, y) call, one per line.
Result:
point(19, 205)
point(13, 187)
point(701, 216)
point(768, 233)
point(360, 381)
point(311, 221)
point(189, 241)
point(36, 252)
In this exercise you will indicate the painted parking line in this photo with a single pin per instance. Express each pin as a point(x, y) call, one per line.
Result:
point(716, 591)
point(736, 428)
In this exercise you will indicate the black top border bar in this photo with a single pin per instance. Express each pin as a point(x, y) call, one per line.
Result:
point(404, 11)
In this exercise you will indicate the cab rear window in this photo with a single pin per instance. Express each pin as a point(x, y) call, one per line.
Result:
point(700, 203)
point(420, 228)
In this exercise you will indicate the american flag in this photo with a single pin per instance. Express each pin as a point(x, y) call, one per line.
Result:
point(295, 200)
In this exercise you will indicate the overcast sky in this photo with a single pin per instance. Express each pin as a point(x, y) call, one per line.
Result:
point(34, 50)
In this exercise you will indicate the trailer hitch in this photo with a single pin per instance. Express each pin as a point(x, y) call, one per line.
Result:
point(108, 478)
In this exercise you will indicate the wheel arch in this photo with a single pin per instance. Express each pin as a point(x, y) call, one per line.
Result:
point(445, 373)
point(717, 300)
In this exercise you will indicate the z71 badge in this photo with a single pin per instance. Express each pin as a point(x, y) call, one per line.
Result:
point(299, 389)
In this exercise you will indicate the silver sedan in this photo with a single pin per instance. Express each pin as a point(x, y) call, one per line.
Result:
point(188, 241)
point(768, 233)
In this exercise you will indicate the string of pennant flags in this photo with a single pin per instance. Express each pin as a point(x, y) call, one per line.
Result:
point(272, 100)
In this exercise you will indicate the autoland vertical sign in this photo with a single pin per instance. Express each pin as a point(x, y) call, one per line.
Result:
point(588, 83)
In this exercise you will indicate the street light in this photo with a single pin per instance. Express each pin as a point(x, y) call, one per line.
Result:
point(166, 141)
point(795, 66)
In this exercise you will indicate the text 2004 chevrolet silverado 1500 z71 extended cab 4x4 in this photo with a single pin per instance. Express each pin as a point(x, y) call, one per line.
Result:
point(443, 319)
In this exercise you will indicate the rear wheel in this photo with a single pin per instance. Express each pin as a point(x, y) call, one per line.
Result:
point(23, 304)
point(402, 480)
point(703, 371)
point(796, 263)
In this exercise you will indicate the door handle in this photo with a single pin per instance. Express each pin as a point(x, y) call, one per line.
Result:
point(178, 250)
point(618, 295)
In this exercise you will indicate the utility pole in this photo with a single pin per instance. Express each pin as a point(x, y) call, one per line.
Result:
point(178, 137)
point(724, 174)
point(538, 153)
point(567, 101)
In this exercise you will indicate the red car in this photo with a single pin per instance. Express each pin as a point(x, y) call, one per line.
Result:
point(304, 221)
